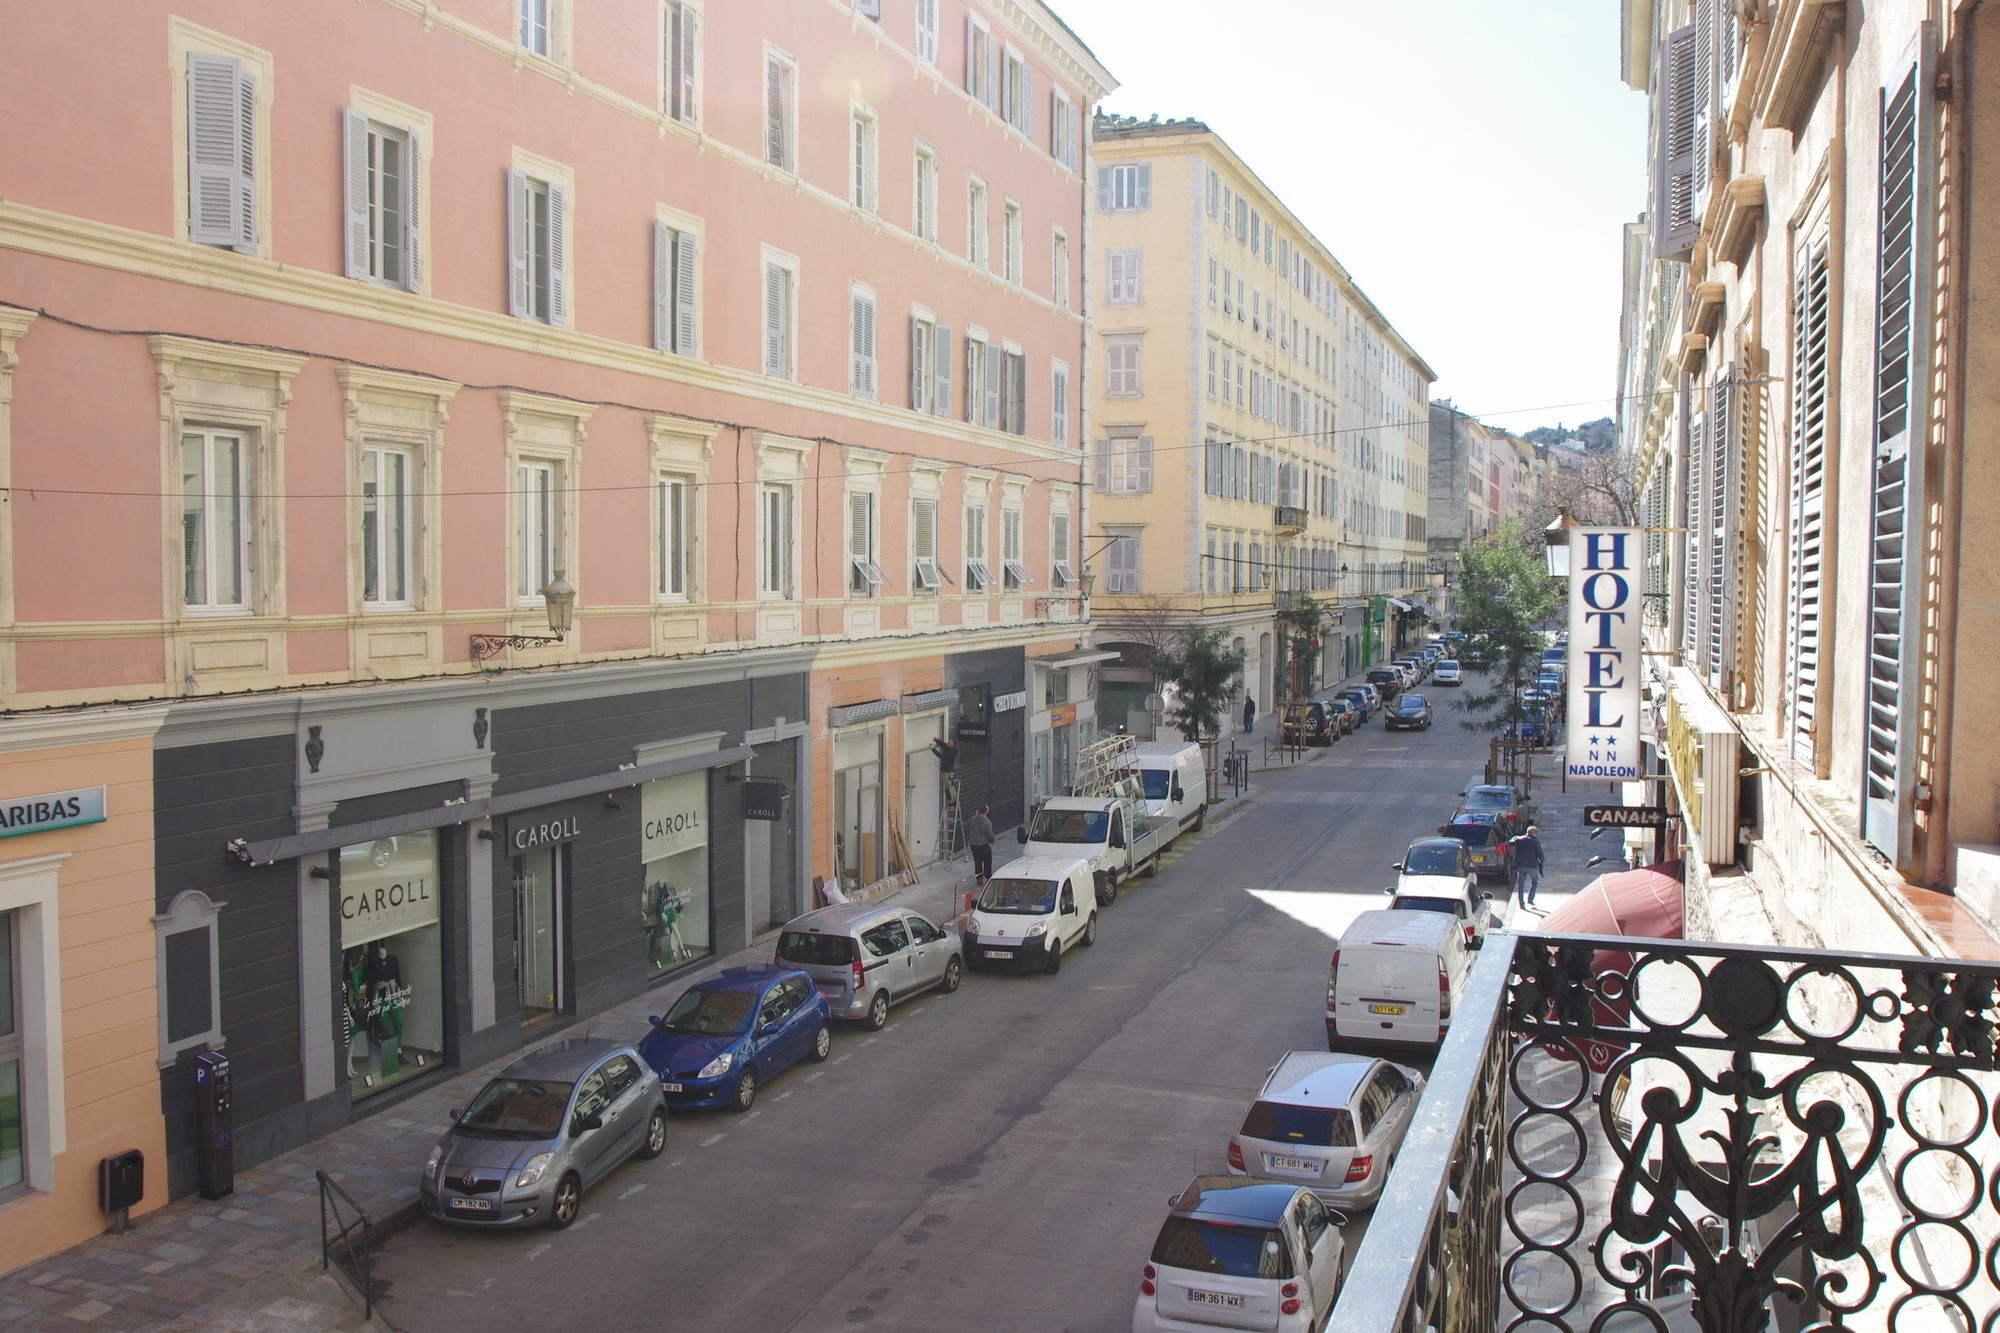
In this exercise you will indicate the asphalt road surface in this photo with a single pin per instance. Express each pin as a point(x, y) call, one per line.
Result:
point(999, 1158)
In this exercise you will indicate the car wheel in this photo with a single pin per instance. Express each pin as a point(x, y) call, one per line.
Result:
point(1201, 817)
point(1090, 931)
point(878, 1011)
point(656, 1135)
point(954, 973)
point(1107, 889)
point(822, 1045)
point(568, 1201)
point(746, 1089)
point(1054, 965)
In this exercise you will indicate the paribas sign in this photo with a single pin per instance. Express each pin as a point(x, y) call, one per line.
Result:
point(1606, 592)
point(39, 814)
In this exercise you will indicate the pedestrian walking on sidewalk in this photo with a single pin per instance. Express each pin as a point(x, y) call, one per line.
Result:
point(1527, 851)
point(979, 837)
point(1249, 714)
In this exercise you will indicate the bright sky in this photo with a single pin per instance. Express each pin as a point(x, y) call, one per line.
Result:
point(1471, 162)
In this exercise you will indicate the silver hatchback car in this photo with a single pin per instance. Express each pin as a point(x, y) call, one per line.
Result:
point(1330, 1122)
point(865, 956)
point(547, 1127)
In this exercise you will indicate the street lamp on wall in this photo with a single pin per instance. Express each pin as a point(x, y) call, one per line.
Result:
point(560, 599)
point(1555, 538)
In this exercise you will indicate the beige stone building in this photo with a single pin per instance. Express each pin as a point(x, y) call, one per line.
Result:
point(1260, 427)
point(1808, 401)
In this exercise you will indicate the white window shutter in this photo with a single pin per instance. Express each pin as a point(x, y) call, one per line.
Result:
point(868, 9)
point(1103, 470)
point(1104, 189)
point(413, 222)
point(941, 372)
point(219, 142)
point(992, 72)
point(686, 27)
point(1025, 99)
point(920, 334)
point(687, 261)
point(518, 287)
point(558, 256)
point(774, 112)
point(864, 345)
point(774, 320)
point(1007, 89)
point(1145, 467)
point(354, 183)
point(858, 526)
point(1145, 195)
point(1674, 166)
point(971, 56)
point(246, 171)
point(990, 380)
point(663, 287)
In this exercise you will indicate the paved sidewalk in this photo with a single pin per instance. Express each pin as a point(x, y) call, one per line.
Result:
point(250, 1263)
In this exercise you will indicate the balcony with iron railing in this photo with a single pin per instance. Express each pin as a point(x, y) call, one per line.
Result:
point(1624, 1134)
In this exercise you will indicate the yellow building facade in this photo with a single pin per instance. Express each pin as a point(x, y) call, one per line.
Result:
point(1260, 429)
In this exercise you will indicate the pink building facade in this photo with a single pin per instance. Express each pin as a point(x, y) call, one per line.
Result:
point(552, 465)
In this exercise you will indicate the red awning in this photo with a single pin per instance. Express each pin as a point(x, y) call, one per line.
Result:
point(1645, 903)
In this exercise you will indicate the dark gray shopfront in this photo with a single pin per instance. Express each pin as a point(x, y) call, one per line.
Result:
point(418, 879)
point(992, 742)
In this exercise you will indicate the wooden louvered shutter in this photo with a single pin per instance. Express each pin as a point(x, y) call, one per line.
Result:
point(973, 360)
point(777, 352)
point(1704, 100)
point(1674, 166)
point(1692, 546)
point(923, 529)
point(971, 56)
point(413, 202)
point(663, 287)
point(990, 384)
point(776, 149)
point(687, 263)
point(920, 373)
point(1717, 521)
point(941, 372)
point(1059, 541)
point(1104, 189)
point(520, 284)
point(1143, 470)
point(861, 526)
point(354, 189)
point(1806, 522)
point(1144, 187)
point(685, 28)
point(558, 256)
point(222, 145)
point(863, 318)
point(1897, 486)
point(1025, 98)
point(1103, 469)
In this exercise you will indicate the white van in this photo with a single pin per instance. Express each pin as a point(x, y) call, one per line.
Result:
point(1397, 977)
point(1175, 782)
point(1033, 911)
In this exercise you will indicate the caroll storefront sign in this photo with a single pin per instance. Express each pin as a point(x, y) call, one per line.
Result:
point(675, 811)
point(1605, 596)
point(61, 809)
point(386, 888)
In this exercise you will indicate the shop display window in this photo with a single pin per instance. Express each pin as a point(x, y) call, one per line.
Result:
point(392, 960)
point(674, 904)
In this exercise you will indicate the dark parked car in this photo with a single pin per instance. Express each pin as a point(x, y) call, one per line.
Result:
point(1485, 845)
point(725, 1036)
point(1315, 724)
point(1410, 713)
point(1388, 681)
point(1364, 699)
point(1513, 811)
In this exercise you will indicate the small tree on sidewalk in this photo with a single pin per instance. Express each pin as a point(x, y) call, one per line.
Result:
point(1200, 674)
point(1505, 596)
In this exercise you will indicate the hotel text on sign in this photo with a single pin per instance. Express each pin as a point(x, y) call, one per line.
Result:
point(1606, 593)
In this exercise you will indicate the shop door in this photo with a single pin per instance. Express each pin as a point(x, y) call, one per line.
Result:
point(538, 932)
point(922, 786)
point(857, 811)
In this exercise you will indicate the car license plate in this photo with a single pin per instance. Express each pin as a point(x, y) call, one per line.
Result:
point(670, 1087)
point(472, 1205)
point(1220, 1299)
point(999, 953)
point(1391, 1009)
point(1290, 1163)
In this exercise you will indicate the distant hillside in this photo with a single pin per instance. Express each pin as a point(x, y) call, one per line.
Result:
point(1595, 436)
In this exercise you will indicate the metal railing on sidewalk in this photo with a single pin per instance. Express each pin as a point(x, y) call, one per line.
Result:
point(337, 1247)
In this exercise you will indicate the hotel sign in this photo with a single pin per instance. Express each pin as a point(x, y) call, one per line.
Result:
point(1606, 587)
point(39, 814)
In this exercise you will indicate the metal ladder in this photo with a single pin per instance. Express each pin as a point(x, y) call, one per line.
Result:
point(1102, 767)
point(951, 824)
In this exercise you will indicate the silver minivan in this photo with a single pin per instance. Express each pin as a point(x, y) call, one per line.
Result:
point(865, 956)
point(1332, 1123)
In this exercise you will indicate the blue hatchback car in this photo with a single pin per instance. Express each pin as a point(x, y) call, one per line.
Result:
point(725, 1036)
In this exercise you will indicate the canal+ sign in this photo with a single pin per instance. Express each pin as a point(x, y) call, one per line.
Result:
point(1606, 592)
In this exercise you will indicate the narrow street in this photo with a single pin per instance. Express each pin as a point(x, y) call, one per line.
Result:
point(1000, 1157)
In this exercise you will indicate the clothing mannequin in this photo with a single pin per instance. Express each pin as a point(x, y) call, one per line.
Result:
point(354, 1006)
point(383, 976)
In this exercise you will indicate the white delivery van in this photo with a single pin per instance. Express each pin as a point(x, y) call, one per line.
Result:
point(1397, 977)
point(1175, 782)
point(1033, 911)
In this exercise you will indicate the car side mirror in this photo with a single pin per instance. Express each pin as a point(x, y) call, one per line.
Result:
point(1117, 840)
point(455, 1113)
point(1177, 794)
point(1069, 909)
point(1398, 866)
point(583, 1123)
point(767, 1029)
point(1021, 833)
point(1444, 830)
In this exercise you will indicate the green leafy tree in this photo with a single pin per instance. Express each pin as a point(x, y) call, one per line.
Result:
point(1505, 599)
point(1201, 673)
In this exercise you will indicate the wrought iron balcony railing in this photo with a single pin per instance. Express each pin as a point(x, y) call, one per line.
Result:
point(1288, 519)
point(1623, 1135)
